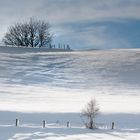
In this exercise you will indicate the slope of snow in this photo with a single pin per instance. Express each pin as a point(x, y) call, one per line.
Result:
point(37, 133)
point(56, 86)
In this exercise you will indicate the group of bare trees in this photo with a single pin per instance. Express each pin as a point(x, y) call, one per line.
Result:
point(35, 33)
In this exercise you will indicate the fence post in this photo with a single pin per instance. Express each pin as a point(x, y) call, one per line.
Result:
point(112, 125)
point(44, 123)
point(68, 124)
point(17, 122)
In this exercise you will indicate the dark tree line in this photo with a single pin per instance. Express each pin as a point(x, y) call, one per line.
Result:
point(61, 46)
point(35, 33)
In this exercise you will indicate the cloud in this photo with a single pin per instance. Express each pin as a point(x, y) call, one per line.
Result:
point(114, 34)
point(81, 10)
point(61, 11)
point(69, 18)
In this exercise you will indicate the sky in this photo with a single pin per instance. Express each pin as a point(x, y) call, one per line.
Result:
point(83, 24)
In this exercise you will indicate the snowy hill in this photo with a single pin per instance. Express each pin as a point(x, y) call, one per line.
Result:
point(11, 49)
point(56, 85)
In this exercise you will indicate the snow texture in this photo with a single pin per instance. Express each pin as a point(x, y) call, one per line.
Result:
point(55, 86)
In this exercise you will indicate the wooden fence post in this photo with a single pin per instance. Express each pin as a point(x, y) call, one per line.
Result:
point(17, 122)
point(112, 125)
point(68, 124)
point(44, 123)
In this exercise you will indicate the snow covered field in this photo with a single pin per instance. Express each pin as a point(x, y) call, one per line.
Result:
point(55, 86)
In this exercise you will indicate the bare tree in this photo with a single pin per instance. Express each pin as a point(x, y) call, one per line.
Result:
point(35, 33)
point(44, 35)
point(90, 111)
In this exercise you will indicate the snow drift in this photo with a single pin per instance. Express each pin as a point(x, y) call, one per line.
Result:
point(56, 85)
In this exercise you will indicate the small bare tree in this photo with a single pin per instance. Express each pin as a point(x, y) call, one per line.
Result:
point(90, 111)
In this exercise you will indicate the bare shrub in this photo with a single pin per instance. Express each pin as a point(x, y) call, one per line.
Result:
point(90, 111)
